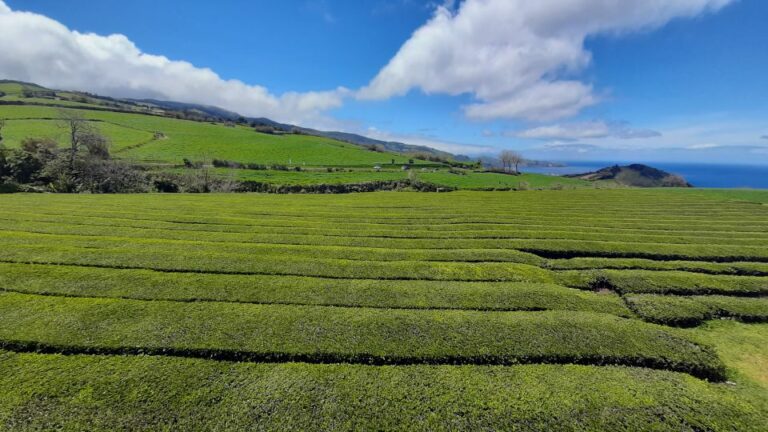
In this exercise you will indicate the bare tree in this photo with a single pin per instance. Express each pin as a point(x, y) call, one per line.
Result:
point(78, 130)
point(511, 159)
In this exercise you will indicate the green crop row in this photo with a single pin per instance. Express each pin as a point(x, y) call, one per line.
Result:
point(692, 311)
point(382, 218)
point(647, 209)
point(19, 217)
point(731, 268)
point(121, 393)
point(262, 251)
point(545, 248)
point(330, 335)
point(665, 282)
point(223, 263)
point(151, 285)
point(60, 225)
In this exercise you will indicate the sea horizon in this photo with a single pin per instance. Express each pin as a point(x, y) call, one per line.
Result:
point(700, 175)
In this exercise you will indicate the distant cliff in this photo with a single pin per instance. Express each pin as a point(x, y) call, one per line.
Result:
point(636, 175)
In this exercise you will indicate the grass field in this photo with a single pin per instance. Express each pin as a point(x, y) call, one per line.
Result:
point(132, 135)
point(133, 138)
point(617, 310)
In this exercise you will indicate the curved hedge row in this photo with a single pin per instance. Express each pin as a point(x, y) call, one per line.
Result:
point(322, 335)
point(733, 268)
point(99, 393)
point(665, 282)
point(186, 287)
point(693, 311)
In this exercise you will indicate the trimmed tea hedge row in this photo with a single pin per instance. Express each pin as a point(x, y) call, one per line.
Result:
point(259, 223)
point(409, 208)
point(151, 285)
point(204, 262)
point(733, 268)
point(665, 282)
point(99, 393)
point(258, 251)
point(203, 232)
point(353, 335)
point(544, 248)
point(692, 311)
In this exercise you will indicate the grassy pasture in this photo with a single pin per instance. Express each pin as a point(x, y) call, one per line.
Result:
point(132, 136)
point(538, 310)
point(193, 140)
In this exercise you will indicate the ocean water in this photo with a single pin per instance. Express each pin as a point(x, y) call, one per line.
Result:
point(699, 175)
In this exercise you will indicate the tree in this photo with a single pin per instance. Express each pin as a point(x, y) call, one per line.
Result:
point(511, 159)
point(78, 130)
point(2, 125)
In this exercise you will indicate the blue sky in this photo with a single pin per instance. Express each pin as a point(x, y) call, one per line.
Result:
point(646, 80)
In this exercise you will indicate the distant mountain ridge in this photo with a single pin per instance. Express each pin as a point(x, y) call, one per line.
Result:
point(636, 175)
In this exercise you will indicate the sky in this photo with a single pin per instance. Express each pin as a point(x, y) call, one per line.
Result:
point(561, 80)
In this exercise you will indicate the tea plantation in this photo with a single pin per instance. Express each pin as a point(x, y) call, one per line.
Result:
point(618, 310)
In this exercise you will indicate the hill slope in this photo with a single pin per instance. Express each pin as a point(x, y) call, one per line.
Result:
point(172, 138)
point(635, 175)
point(163, 140)
point(28, 93)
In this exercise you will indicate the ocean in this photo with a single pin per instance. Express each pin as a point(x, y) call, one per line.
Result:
point(699, 175)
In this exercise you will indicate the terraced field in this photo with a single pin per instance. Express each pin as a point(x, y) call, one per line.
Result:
point(543, 310)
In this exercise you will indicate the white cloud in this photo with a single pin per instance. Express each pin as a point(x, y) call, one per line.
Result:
point(429, 141)
point(512, 55)
point(702, 146)
point(587, 130)
point(38, 49)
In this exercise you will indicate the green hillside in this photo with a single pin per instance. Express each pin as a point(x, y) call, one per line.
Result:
point(133, 139)
point(155, 138)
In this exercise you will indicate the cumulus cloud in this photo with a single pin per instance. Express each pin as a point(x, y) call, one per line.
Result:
point(587, 130)
point(512, 55)
point(38, 49)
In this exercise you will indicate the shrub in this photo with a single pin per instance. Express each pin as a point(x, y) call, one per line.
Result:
point(8, 187)
point(166, 183)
